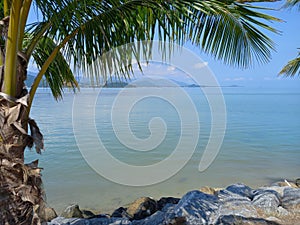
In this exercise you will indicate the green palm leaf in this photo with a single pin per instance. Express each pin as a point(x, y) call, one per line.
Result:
point(59, 73)
point(292, 3)
point(292, 68)
point(227, 30)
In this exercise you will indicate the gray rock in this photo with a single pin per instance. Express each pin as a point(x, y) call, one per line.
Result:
point(297, 182)
point(195, 208)
point(237, 220)
point(120, 212)
point(282, 211)
point(266, 200)
point(291, 198)
point(228, 196)
point(72, 211)
point(278, 189)
point(94, 221)
point(241, 189)
point(157, 218)
point(48, 214)
point(238, 207)
point(141, 208)
point(161, 203)
point(87, 214)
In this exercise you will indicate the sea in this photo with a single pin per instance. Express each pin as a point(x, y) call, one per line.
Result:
point(141, 129)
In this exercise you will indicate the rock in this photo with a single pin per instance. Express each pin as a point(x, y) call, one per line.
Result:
point(297, 182)
point(48, 214)
point(161, 203)
point(266, 200)
point(238, 204)
point(236, 220)
point(241, 189)
point(156, 218)
point(87, 214)
point(195, 207)
point(278, 189)
point(93, 221)
point(291, 198)
point(120, 212)
point(208, 190)
point(72, 211)
point(286, 184)
point(142, 208)
point(282, 211)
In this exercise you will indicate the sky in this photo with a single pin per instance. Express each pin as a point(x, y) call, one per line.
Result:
point(265, 75)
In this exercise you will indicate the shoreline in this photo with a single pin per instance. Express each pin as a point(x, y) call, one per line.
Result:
point(271, 203)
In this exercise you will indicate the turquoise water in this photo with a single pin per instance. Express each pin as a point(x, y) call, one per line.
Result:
point(261, 144)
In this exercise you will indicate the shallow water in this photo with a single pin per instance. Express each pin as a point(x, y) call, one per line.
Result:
point(261, 143)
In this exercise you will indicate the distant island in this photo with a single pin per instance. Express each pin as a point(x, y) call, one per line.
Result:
point(143, 82)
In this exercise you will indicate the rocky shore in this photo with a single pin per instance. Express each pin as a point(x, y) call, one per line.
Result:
point(277, 204)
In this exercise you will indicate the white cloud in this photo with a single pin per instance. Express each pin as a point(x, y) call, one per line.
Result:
point(200, 65)
point(239, 78)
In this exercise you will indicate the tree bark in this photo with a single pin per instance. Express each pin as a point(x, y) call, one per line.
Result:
point(22, 197)
point(21, 193)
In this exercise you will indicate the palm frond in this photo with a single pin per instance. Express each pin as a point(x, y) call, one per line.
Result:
point(1, 9)
point(292, 68)
point(227, 30)
point(59, 74)
point(291, 4)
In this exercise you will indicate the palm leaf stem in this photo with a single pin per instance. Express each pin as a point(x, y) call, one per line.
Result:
point(23, 19)
point(46, 65)
point(12, 48)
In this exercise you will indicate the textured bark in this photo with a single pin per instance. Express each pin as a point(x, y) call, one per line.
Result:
point(22, 199)
point(21, 192)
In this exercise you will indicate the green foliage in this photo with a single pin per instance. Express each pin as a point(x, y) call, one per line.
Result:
point(292, 67)
point(86, 30)
point(59, 74)
point(292, 4)
point(1, 9)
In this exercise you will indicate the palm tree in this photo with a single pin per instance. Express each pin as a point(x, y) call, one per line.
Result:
point(293, 66)
point(72, 32)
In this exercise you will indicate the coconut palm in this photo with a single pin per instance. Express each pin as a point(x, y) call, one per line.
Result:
point(293, 66)
point(72, 32)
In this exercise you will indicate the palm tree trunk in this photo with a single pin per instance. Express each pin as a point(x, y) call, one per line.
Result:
point(21, 192)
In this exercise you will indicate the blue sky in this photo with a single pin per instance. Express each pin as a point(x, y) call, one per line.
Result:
point(265, 75)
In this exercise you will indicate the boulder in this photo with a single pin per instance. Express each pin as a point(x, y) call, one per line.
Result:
point(142, 208)
point(120, 212)
point(286, 184)
point(208, 190)
point(266, 200)
point(156, 218)
point(72, 211)
point(241, 189)
point(235, 220)
point(291, 198)
point(48, 214)
point(87, 214)
point(297, 182)
point(195, 208)
point(235, 203)
point(93, 221)
point(161, 203)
